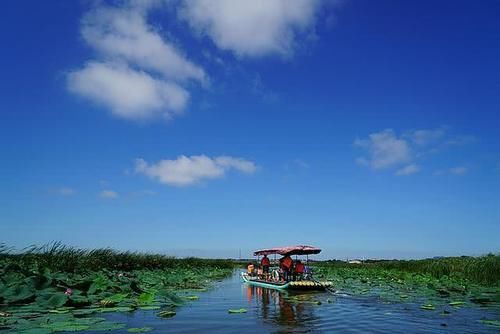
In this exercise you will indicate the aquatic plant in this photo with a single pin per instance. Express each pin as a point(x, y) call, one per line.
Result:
point(58, 257)
point(482, 270)
point(57, 288)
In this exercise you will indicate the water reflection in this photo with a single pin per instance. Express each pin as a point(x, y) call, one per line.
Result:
point(282, 308)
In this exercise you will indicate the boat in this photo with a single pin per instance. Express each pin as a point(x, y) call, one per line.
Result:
point(306, 282)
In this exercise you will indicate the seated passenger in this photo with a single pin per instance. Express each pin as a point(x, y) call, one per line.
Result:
point(250, 269)
point(260, 272)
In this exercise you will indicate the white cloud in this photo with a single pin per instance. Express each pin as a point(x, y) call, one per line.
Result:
point(426, 136)
point(251, 28)
point(108, 194)
point(404, 153)
point(124, 33)
point(408, 170)
point(459, 170)
point(139, 75)
point(384, 150)
point(185, 171)
point(127, 92)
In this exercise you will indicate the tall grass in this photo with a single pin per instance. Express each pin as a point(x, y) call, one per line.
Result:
point(59, 257)
point(482, 270)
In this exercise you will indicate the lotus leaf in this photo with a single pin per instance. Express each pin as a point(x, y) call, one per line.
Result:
point(35, 331)
point(495, 323)
point(428, 307)
point(166, 314)
point(145, 298)
point(149, 308)
point(66, 326)
point(240, 310)
point(116, 309)
point(18, 294)
point(140, 330)
point(52, 301)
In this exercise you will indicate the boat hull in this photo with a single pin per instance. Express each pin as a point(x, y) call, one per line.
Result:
point(264, 284)
point(294, 285)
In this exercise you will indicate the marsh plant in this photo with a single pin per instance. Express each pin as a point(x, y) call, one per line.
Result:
point(58, 288)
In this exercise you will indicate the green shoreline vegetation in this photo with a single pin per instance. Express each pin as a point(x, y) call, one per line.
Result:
point(440, 285)
point(55, 288)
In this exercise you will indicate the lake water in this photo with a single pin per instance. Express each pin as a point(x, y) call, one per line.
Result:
point(270, 312)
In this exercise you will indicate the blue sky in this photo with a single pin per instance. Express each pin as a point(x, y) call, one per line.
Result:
point(369, 129)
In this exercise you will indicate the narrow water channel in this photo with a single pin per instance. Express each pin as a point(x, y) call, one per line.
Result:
point(270, 311)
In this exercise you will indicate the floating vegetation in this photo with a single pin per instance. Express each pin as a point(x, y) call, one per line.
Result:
point(59, 289)
point(240, 310)
point(428, 307)
point(495, 323)
point(385, 281)
point(192, 297)
point(166, 314)
point(140, 330)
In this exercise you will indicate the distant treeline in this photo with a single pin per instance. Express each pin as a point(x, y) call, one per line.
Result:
point(58, 257)
point(482, 269)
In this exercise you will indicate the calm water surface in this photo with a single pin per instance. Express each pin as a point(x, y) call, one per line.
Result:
point(269, 312)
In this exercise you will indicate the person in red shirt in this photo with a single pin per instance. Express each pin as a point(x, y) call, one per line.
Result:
point(299, 269)
point(286, 265)
point(265, 263)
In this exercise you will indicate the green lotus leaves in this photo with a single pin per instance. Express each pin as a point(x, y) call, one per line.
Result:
point(495, 323)
point(140, 330)
point(428, 307)
point(150, 307)
point(166, 314)
point(146, 298)
point(107, 326)
point(18, 294)
point(240, 310)
point(52, 301)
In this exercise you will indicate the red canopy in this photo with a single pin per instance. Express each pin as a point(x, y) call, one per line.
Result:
point(289, 250)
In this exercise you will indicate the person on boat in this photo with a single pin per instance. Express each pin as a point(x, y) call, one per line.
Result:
point(265, 264)
point(286, 265)
point(250, 269)
point(260, 272)
point(299, 269)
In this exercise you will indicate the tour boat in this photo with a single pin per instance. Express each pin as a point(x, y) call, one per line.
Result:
point(305, 282)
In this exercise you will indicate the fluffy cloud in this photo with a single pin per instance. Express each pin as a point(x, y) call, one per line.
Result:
point(251, 28)
point(426, 136)
point(126, 92)
point(124, 33)
point(185, 171)
point(139, 75)
point(408, 170)
point(384, 150)
point(108, 194)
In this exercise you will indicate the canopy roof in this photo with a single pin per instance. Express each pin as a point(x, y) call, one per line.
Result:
point(289, 250)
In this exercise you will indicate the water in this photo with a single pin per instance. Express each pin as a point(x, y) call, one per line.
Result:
point(270, 312)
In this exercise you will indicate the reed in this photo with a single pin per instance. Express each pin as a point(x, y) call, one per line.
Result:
point(482, 270)
point(61, 258)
